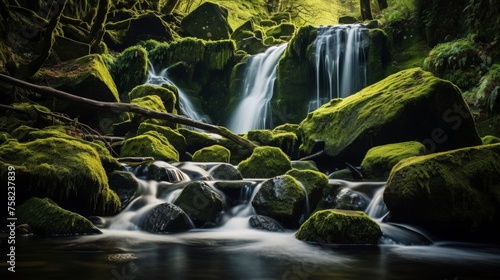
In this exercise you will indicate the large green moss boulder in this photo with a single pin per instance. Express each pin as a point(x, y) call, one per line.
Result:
point(379, 160)
point(208, 21)
point(67, 171)
point(201, 202)
point(286, 140)
point(281, 198)
point(406, 106)
point(85, 76)
point(340, 227)
point(265, 162)
point(454, 194)
point(215, 153)
point(45, 217)
point(149, 144)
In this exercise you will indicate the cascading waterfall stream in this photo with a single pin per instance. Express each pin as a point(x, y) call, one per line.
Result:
point(253, 111)
point(340, 58)
point(186, 106)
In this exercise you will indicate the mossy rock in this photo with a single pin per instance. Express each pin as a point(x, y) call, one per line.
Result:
point(379, 160)
point(68, 49)
point(285, 140)
point(85, 76)
point(265, 162)
point(173, 136)
point(150, 102)
point(200, 202)
point(340, 227)
point(215, 153)
point(244, 31)
point(454, 194)
point(67, 171)
point(130, 69)
point(26, 134)
point(282, 30)
point(313, 181)
point(304, 165)
point(406, 106)
point(46, 218)
point(167, 96)
point(149, 144)
point(379, 55)
point(208, 21)
point(281, 198)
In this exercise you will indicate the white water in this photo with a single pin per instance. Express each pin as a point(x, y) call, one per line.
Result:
point(253, 112)
point(340, 62)
point(186, 106)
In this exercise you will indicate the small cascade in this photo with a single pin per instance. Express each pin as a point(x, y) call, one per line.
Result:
point(340, 55)
point(253, 112)
point(186, 106)
point(377, 208)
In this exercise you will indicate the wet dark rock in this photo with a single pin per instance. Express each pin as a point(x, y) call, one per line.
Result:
point(162, 171)
point(124, 184)
point(350, 200)
point(265, 223)
point(225, 171)
point(165, 217)
point(24, 230)
point(99, 222)
point(236, 192)
point(201, 202)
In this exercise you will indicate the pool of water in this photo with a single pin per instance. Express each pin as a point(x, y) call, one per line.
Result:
point(243, 254)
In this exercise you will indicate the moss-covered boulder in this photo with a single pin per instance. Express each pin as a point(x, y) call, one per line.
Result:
point(46, 218)
point(201, 202)
point(166, 94)
point(379, 160)
point(129, 69)
point(281, 198)
point(340, 227)
point(265, 162)
point(208, 21)
point(313, 181)
point(85, 76)
point(149, 144)
point(215, 153)
point(283, 30)
point(379, 55)
point(286, 140)
point(454, 194)
point(174, 137)
point(67, 171)
point(406, 106)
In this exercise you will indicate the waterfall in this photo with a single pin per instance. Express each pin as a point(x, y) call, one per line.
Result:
point(186, 106)
point(253, 112)
point(340, 57)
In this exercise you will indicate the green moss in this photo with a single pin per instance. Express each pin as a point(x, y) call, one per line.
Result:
point(379, 55)
point(281, 198)
point(130, 69)
point(379, 160)
point(277, 138)
point(457, 61)
point(87, 76)
point(174, 137)
point(150, 102)
point(218, 54)
point(281, 30)
point(455, 193)
point(304, 165)
point(67, 171)
point(392, 111)
point(265, 162)
point(339, 227)
point(215, 153)
point(149, 144)
point(313, 181)
point(166, 94)
point(45, 217)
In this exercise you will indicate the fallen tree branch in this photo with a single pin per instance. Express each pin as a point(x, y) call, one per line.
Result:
point(132, 108)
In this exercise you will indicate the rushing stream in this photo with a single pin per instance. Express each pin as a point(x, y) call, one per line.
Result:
point(234, 250)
